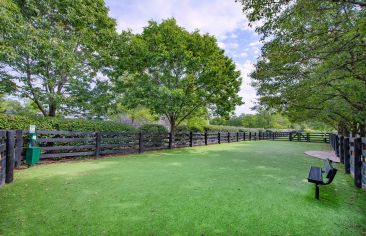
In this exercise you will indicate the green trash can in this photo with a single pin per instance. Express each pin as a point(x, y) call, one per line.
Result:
point(32, 156)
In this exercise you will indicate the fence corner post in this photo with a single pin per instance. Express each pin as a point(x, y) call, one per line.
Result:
point(18, 148)
point(10, 153)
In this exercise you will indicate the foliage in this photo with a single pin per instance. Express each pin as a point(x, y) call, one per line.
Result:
point(175, 73)
point(312, 64)
point(47, 123)
point(52, 51)
point(197, 124)
point(136, 116)
point(20, 109)
point(152, 128)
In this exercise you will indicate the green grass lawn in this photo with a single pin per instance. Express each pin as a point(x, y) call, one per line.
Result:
point(247, 188)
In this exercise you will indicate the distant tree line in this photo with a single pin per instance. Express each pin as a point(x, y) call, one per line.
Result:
point(269, 120)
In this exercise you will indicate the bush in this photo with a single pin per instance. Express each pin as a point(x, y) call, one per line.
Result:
point(16, 122)
point(152, 128)
point(183, 129)
point(222, 128)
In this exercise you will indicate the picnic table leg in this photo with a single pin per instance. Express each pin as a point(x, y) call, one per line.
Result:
point(317, 191)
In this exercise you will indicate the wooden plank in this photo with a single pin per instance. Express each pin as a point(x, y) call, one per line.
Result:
point(51, 132)
point(58, 148)
point(120, 139)
point(2, 147)
point(120, 151)
point(118, 145)
point(64, 140)
point(69, 154)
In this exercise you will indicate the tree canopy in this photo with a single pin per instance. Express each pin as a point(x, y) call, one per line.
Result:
point(52, 50)
point(175, 73)
point(312, 64)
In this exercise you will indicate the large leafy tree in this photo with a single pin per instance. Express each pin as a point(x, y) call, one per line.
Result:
point(175, 73)
point(53, 50)
point(312, 62)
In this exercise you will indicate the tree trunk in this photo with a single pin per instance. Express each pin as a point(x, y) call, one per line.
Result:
point(52, 110)
point(173, 129)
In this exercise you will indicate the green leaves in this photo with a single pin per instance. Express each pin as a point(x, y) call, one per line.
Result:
point(312, 62)
point(54, 49)
point(175, 73)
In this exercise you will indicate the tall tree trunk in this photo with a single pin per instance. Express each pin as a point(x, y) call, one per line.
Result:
point(173, 129)
point(52, 110)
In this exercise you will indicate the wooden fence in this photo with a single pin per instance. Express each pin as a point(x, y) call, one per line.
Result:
point(352, 153)
point(63, 144)
point(2, 157)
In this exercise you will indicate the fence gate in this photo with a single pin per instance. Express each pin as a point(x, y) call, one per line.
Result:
point(2, 157)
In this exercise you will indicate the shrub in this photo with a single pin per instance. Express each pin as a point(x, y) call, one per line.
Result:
point(16, 122)
point(183, 129)
point(152, 128)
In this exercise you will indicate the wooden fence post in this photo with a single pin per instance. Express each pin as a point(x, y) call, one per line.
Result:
point(357, 164)
point(237, 136)
point(98, 140)
point(191, 139)
point(18, 148)
point(273, 137)
point(337, 145)
point(2, 157)
point(290, 137)
point(346, 151)
point(341, 148)
point(250, 136)
point(10, 152)
point(307, 137)
point(170, 140)
point(228, 137)
point(141, 142)
point(219, 137)
point(244, 136)
point(206, 138)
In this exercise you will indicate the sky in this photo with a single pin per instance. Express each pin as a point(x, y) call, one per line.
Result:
point(222, 18)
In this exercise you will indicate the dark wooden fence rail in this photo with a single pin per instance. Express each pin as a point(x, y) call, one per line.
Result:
point(352, 153)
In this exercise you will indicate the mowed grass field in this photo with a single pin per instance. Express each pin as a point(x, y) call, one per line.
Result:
point(247, 188)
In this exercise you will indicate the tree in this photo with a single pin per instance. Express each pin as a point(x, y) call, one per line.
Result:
point(53, 50)
point(175, 73)
point(312, 61)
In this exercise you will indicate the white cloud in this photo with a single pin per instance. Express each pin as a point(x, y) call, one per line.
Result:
point(221, 45)
point(243, 54)
point(255, 44)
point(247, 92)
point(215, 17)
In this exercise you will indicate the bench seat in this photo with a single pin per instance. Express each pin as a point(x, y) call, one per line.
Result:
point(315, 175)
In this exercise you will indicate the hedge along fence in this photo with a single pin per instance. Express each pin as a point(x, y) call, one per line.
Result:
point(17, 122)
point(352, 153)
